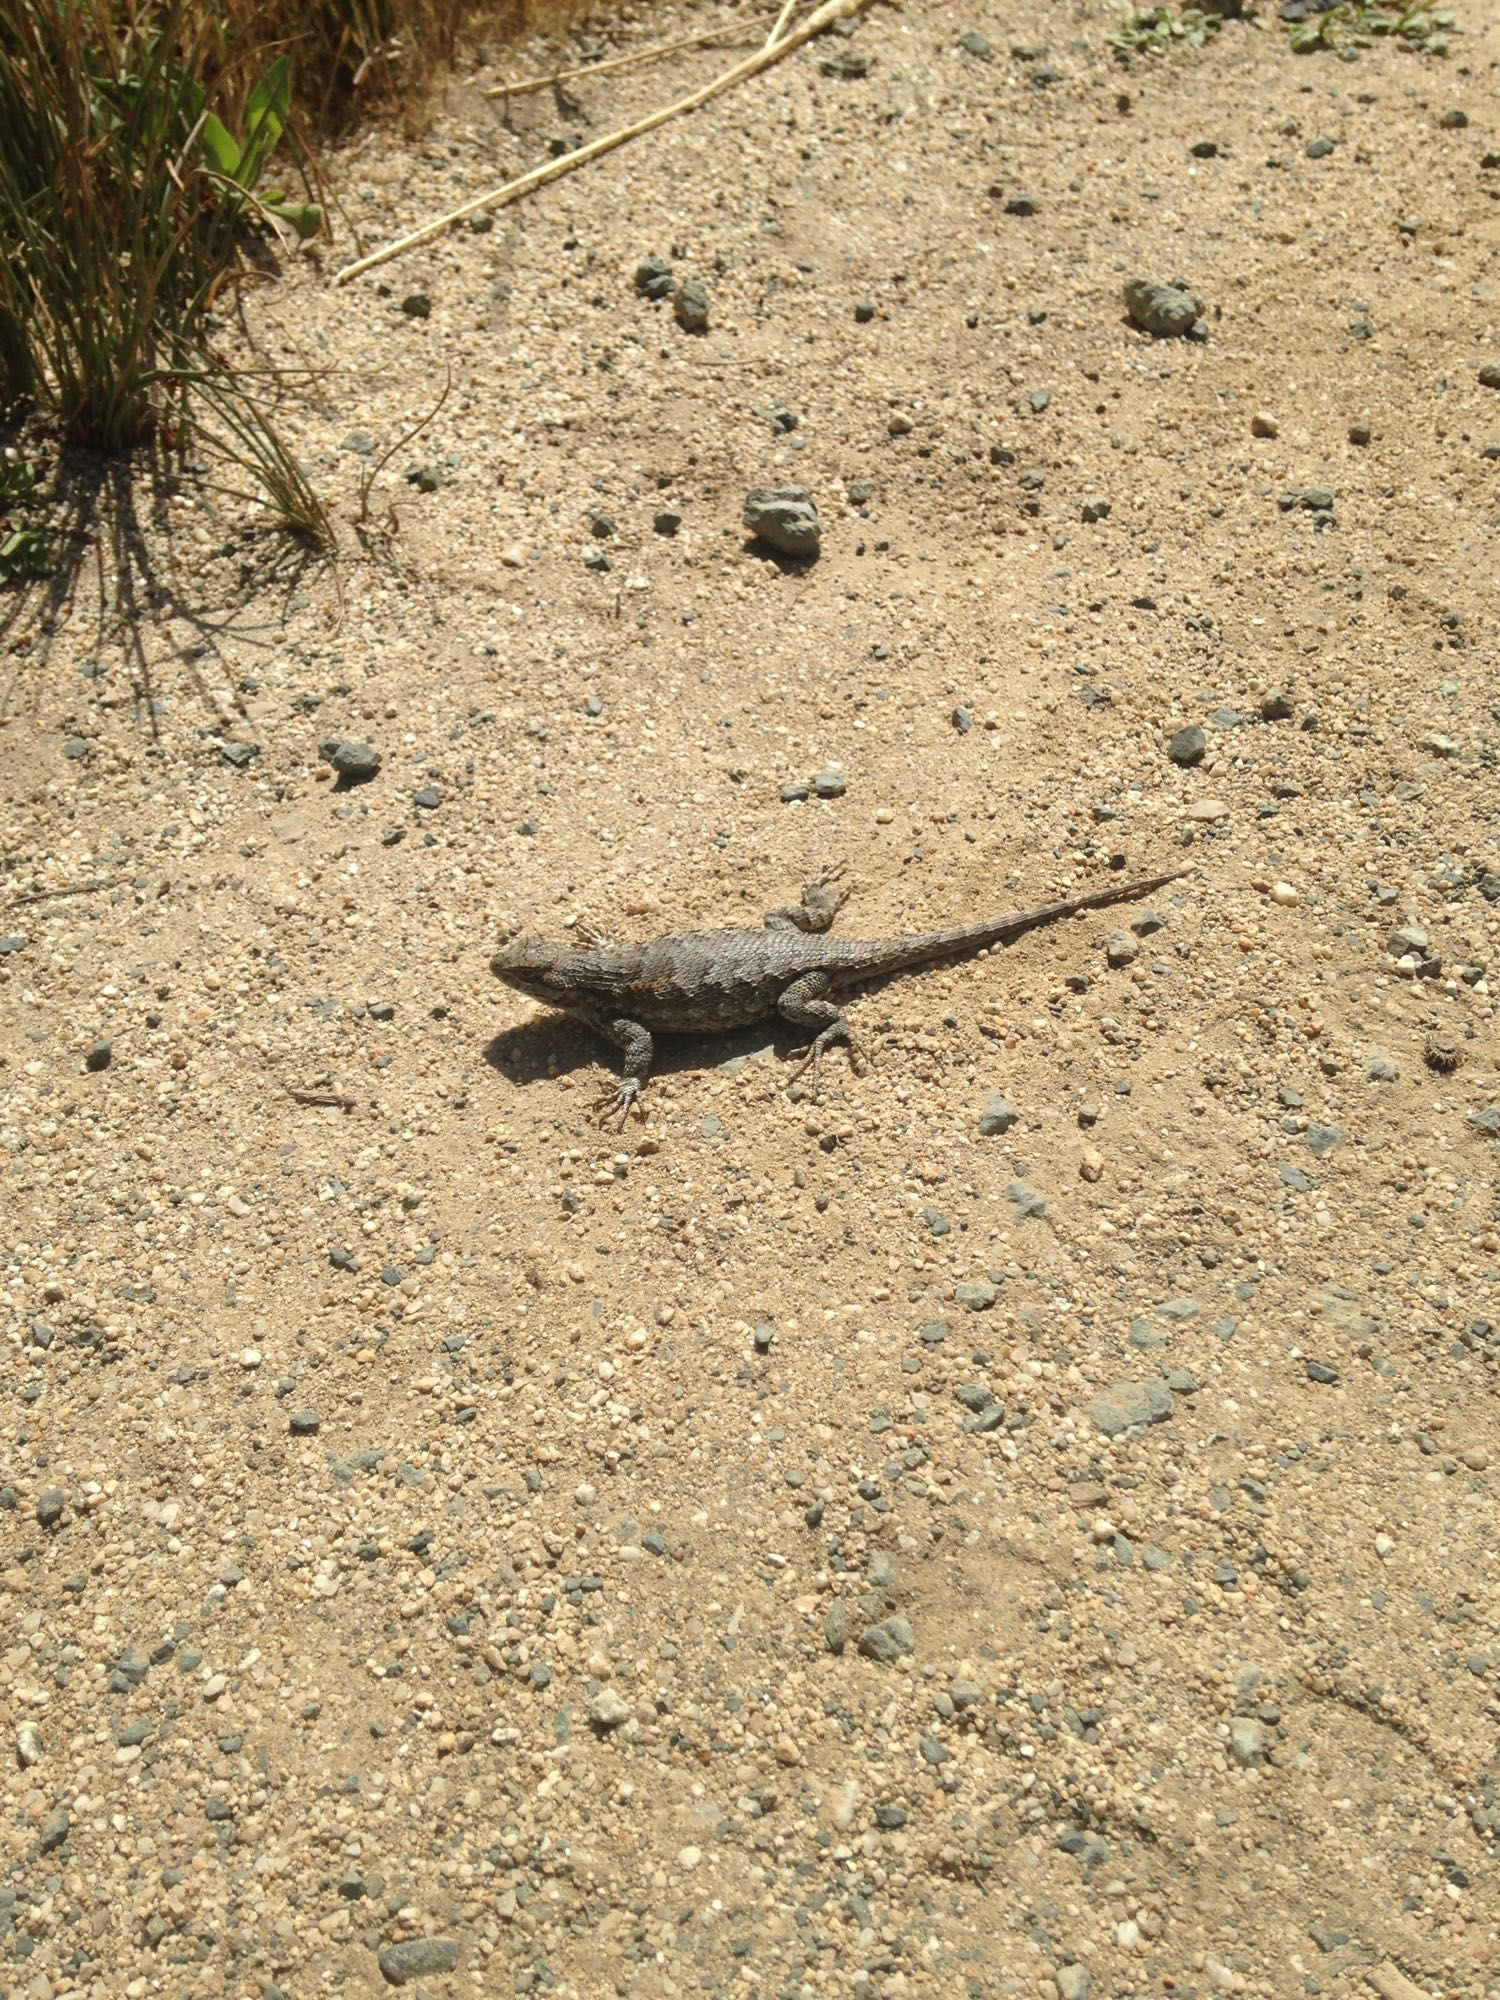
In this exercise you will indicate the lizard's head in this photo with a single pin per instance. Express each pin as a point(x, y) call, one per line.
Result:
point(534, 966)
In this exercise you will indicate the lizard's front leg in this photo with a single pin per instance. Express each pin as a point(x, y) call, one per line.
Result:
point(805, 1005)
point(636, 1045)
point(822, 900)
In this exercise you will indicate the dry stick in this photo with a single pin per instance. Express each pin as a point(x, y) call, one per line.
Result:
point(526, 84)
point(820, 18)
point(788, 7)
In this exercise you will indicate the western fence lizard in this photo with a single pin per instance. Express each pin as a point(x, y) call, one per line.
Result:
point(699, 982)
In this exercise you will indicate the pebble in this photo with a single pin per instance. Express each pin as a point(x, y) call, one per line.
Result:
point(1096, 510)
point(785, 518)
point(355, 762)
point(1072, 1982)
point(974, 44)
point(28, 1744)
point(1121, 949)
point(304, 1423)
point(98, 1056)
point(1489, 375)
point(54, 1830)
point(1187, 745)
point(889, 1640)
point(836, 1626)
point(1165, 310)
point(998, 1115)
point(50, 1503)
point(1264, 425)
point(690, 304)
point(608, 1710)
point(418, 1958)
point(1247, 1741)
point(654, 278)
point(1123, 1405)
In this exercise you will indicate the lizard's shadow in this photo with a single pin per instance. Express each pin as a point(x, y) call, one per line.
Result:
point(535, 1050)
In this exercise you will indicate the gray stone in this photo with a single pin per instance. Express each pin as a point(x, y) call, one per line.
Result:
point(836, 1626)
point(1097, 509)
point(239, 754)
point(1489, 375)
point(1027, 1200)
point(1123, 1405)
point(974, 44)
point(1322, 1139)
point(353, 761)
point(966, 1694)
point(666, 521)
point(977, 1297)
point(933, 1752)
point(1121, 949)
point(10, 944)
point(1247, 1740)
point(830, 784)
point(417, 305)
point(1487, 1121)
point(691, 306)
point(1072, 1982)
point(1188, 744)
point(54, 1830)
point(1293, 1177)
point(305, 1423)
point(1167, 310)
point(607, 1710)
point(1319, 1371)
point(654, 278)
point(1406, 938)
point(998, 1115)
point(785, 518)
point(888, 1641)
point(428, 799)
point(98, 1055)
point(1381, 1069)
point(50, 1503)
point(418, 1958)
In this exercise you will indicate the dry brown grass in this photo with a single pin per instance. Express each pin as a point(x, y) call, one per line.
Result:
point(356, 58)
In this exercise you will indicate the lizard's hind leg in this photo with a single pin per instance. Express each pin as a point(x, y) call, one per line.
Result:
point(805, 1005)
point(821, 902)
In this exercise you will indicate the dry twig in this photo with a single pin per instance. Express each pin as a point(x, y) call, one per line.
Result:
point(820, 18)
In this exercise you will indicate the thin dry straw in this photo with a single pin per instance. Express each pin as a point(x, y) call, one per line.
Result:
point(524, 85)
point(821, 18)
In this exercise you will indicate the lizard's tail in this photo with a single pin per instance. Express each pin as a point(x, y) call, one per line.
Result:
point(897, 954)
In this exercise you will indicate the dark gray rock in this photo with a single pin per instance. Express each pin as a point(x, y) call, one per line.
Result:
point(1187, 745)
point(353, 762)
point(1166, 310)
point(418, 1958)
point(977, 1297)
point(304, 1423)
point(998, 1115)
point(50, 1503)
point(240, 755)
point(54, 1830)
point(691, 306)
point(888, 1641)
point(98, 1055)
point(785, 518)
point(654, 278)
point(1123, 1405)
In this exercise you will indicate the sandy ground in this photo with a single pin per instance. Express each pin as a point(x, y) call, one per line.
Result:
point(788, 1548)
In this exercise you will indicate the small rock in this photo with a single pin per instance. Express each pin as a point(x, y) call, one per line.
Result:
point(28, 1744)
point(98, 1055)
point(1319, 1371)
point(1454, 120)
point(1187, 745)
point(1359, 434)
point(898, 424)
point(998, 1115)
point(888, 1641)
point(1318, 149)
point(785, 518)
point(1166, 310)
point(353, 762)
point(1381, 1069)
point(666, 521)
point(418, 1958)
point(1121, 949)
point(239, 754)
point(691, 306)
point(654, 278)
point(1072, 1982)
point(50, 1503)
point(1021, 204)
point(977, 1297)
point(1247, 1741)
point(1276, 707)
point(1489, 375)
point(426, 478)
point(54, 1830)
point(601, 523)
point(974, 44)
point(417, 305)
point(428, 799)
point(1096, 510)
point(1028, 1202)
point(1123, 1405)
point(864, 312)
point(608, 1710)
point(1091, 1163)
point(305, 1423)
point(1264, 425)
point(836, 1626)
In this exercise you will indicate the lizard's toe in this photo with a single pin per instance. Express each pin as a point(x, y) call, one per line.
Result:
point(619, 1100)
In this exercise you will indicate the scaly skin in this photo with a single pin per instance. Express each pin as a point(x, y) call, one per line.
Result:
point(697, 982)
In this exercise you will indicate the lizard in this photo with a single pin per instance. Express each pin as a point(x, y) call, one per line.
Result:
point(695, 982)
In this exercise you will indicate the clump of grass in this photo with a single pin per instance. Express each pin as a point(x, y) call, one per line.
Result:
point(354, 58)
point(1156, 30)
point(133, 137)
point(25, 546)
point(1358, 23)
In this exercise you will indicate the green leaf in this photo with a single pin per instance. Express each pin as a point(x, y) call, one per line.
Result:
point(304, 218)
point(266, 113)
point(224, 155)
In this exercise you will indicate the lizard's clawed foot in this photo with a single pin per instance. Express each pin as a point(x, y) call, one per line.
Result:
point(811, 1057)
point(619, 1100)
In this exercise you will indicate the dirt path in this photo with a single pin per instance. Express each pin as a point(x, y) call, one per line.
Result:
point(906, 1544)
